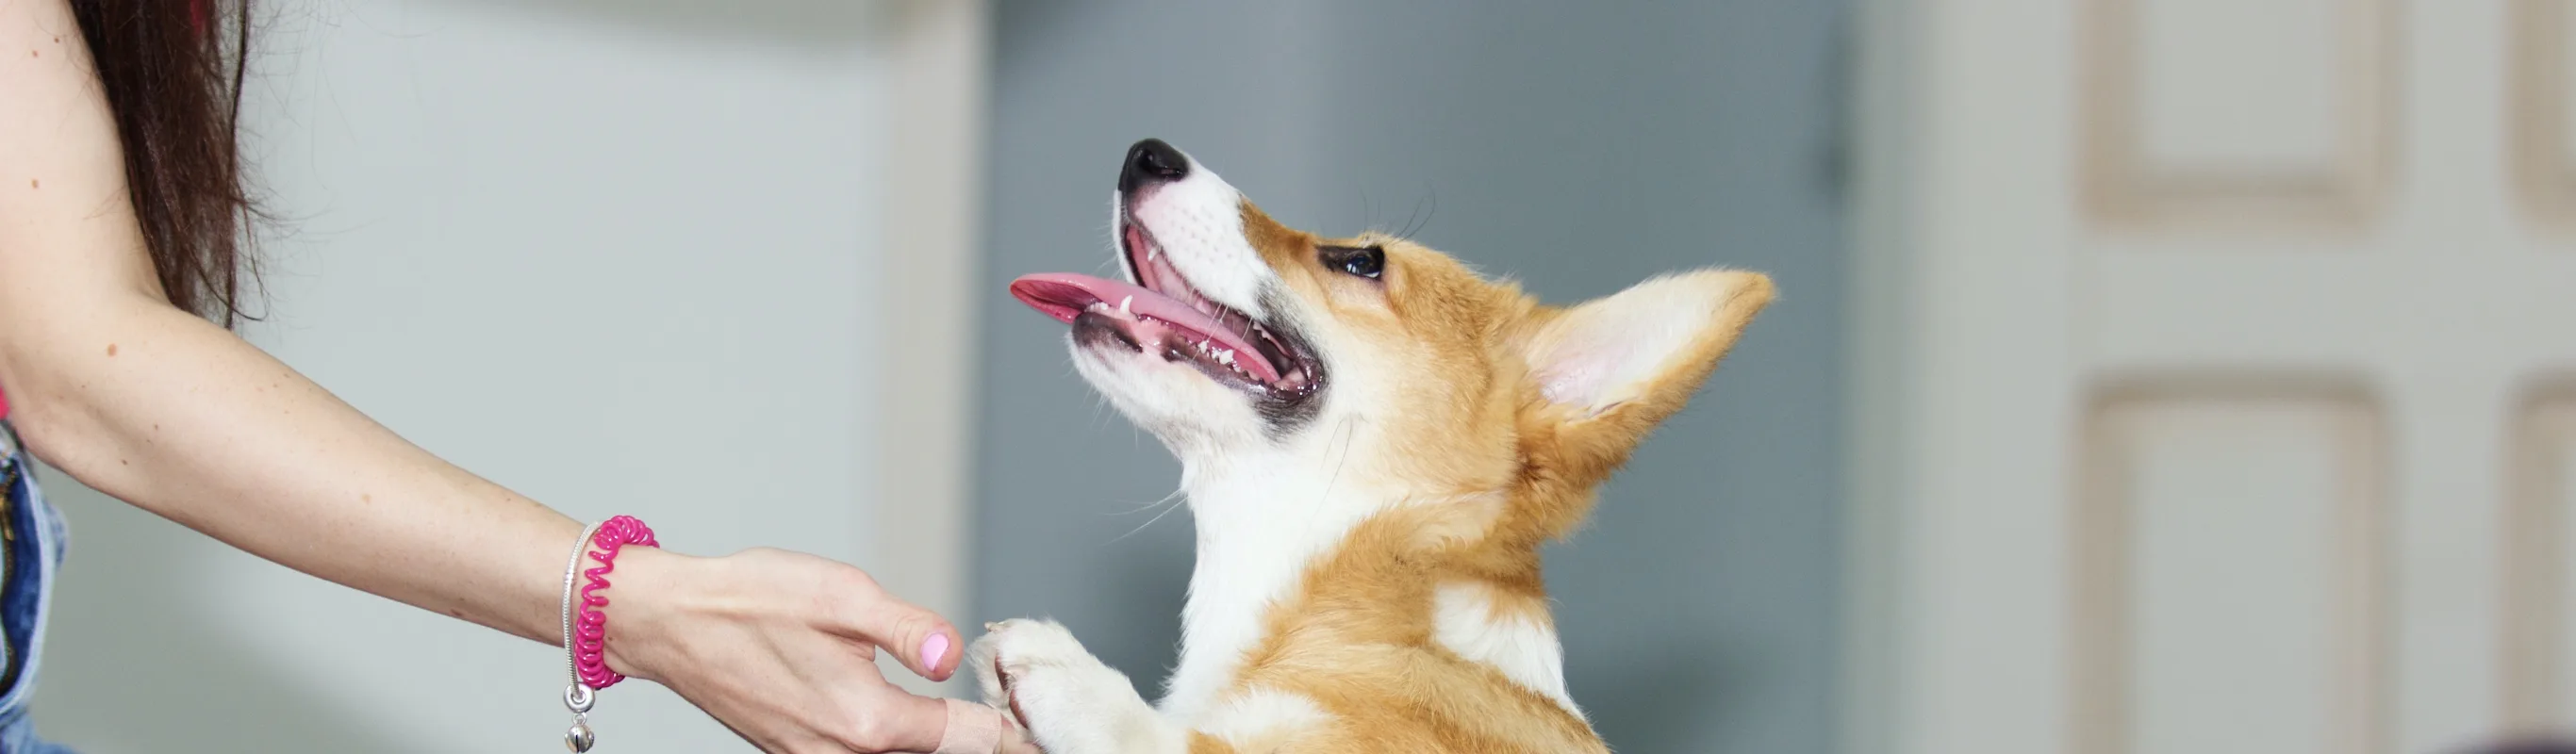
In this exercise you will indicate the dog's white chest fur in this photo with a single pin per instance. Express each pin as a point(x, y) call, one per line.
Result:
point(1261, 523)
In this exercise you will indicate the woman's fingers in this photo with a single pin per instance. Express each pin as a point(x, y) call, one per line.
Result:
point(895, 721)
point(1015, 739)
point(775, 659)
point(920, 639)
point(1017, 743)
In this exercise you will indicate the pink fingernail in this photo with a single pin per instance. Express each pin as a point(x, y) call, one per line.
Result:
point(932, 649)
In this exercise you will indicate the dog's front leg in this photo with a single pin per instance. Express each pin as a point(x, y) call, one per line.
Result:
point(1070, 701)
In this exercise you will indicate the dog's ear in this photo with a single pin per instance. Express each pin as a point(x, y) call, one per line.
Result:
point(1607, 371)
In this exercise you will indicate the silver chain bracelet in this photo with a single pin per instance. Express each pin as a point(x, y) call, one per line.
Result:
point(578, 696)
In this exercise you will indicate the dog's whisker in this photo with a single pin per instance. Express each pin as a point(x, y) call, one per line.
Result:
point(1410, 226)
point(1348, 429)
point(1167, 510)
point(1176, 492)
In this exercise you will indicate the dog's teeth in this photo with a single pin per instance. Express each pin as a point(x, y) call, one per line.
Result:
point(1123, 304)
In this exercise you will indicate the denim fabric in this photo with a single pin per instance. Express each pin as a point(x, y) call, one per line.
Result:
point(31, 551)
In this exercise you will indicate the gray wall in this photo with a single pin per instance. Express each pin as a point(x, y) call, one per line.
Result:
point(1580, 147)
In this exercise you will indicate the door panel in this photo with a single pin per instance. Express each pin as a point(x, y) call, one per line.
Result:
point(2181, 126)
point(2228, 567)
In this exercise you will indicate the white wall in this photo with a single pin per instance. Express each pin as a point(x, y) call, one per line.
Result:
point(610, 255)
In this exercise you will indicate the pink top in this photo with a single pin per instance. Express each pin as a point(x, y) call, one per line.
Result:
point(4, 406)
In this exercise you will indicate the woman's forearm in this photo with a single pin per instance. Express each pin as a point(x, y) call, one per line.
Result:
point(169, 412)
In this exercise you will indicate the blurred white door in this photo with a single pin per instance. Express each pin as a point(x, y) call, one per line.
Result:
point(2219, 382)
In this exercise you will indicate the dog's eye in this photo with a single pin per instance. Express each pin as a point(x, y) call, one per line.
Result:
point(1366, 262)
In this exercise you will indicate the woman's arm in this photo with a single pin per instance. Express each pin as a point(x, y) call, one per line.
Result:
point(153, 405)
point(138, 399)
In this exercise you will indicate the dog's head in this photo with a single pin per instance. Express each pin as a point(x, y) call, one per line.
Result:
point(1406, 372)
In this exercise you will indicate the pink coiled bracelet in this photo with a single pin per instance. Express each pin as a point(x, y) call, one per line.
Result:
point(585, 628)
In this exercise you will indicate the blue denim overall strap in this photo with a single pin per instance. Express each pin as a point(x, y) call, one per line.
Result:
point(31, 551)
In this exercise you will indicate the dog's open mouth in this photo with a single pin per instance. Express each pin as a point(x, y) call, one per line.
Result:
point(1161, 313)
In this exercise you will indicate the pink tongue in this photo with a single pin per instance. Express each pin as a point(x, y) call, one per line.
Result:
point(1064, 295)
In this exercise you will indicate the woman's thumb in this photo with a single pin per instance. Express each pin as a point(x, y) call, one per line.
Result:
point(920, 639)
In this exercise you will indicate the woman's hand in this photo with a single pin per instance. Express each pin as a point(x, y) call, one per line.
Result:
point(781, 648)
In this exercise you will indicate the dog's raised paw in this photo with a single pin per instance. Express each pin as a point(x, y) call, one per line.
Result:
point(1009, 650)
point(1023, 641)
point(1066, 698)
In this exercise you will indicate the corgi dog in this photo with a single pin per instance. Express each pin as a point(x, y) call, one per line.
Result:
point(1375, 442)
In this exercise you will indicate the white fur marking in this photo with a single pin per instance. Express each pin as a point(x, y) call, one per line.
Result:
point(1526, 651)
point(1258, 713)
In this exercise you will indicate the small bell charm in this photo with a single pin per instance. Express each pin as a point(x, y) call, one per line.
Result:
point(578, 698)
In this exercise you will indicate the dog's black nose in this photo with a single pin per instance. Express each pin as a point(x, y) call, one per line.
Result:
point(1150, 162)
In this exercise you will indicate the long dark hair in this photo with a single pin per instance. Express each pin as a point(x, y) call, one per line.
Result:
point(172, 72)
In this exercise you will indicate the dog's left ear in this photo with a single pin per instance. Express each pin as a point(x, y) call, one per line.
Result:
point(1609, 370)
